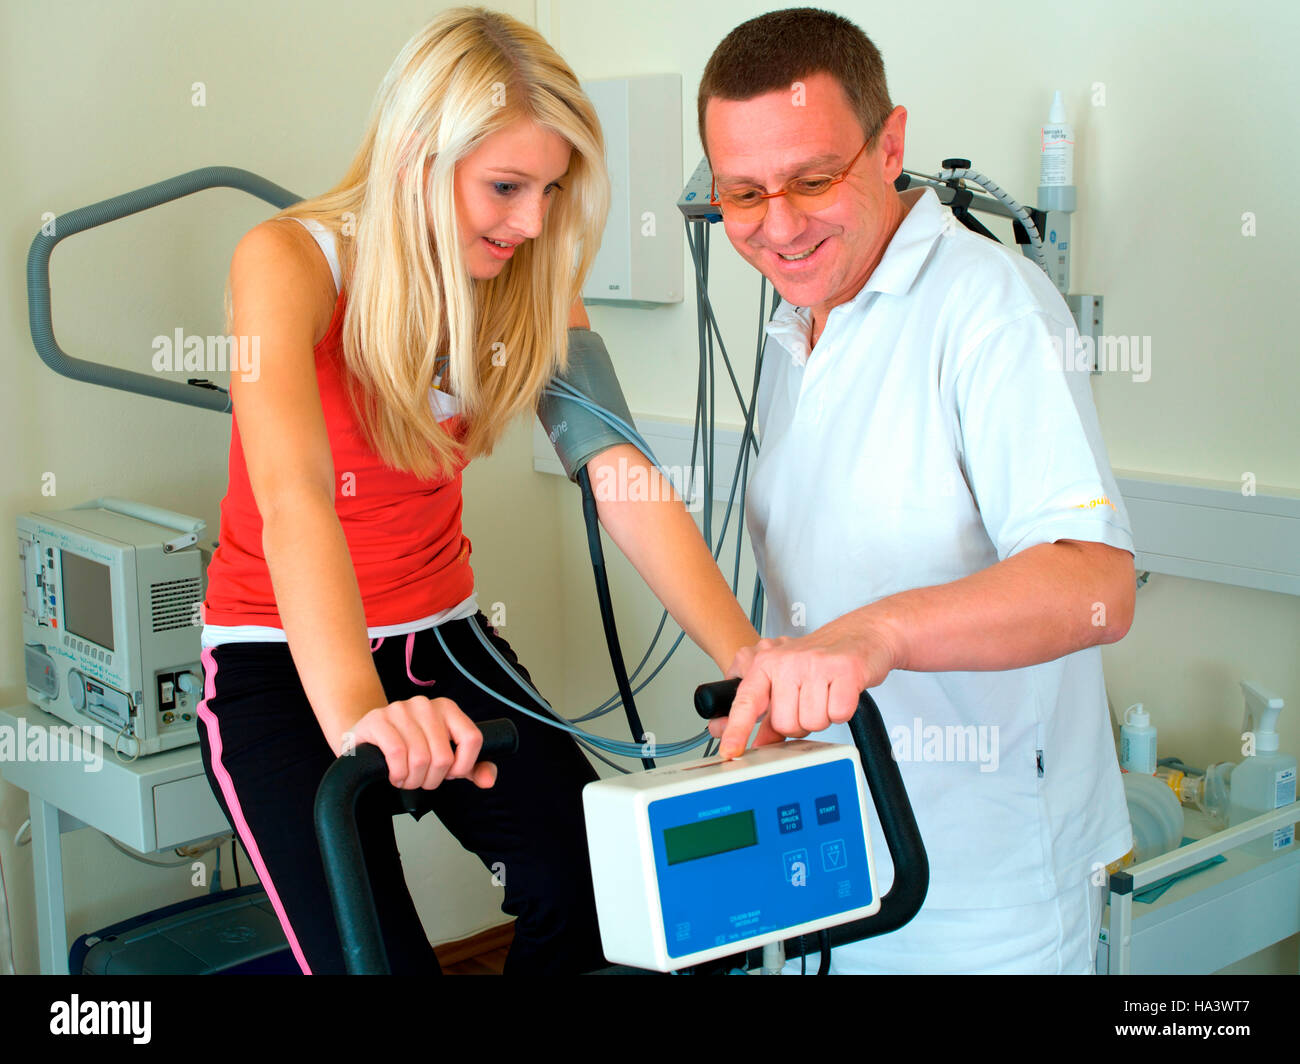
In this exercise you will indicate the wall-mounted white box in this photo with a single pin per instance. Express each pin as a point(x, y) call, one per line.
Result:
point(640, 262)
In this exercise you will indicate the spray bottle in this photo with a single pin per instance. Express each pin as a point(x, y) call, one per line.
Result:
point(1056, 191)
point(1137, 742)
point(1265, 779)
point(1056, 166)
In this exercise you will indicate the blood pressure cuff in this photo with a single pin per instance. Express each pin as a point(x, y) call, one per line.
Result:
point(577, 434)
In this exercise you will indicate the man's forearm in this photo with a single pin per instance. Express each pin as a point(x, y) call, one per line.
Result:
point(664, 545)
point(1043, 603)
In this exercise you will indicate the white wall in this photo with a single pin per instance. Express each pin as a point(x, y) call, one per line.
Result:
point(97, 101)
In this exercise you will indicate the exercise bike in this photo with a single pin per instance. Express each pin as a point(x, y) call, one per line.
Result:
point(696, 842)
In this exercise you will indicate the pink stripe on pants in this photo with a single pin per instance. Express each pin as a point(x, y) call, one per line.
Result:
point(232, 803)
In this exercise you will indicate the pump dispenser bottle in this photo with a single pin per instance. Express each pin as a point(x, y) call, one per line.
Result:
point(1265, 779)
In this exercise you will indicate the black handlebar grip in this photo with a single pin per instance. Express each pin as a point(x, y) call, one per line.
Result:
point(894, 810)
point(340, 843)
point(500, 739)
point(714, 699)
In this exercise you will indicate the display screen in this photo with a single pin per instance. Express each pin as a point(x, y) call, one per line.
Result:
point(87, 599)
point(705, 838)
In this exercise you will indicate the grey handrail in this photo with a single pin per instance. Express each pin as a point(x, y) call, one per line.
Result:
point(209, 397)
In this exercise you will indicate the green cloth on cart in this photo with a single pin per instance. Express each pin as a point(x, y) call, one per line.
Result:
point(1150, 893)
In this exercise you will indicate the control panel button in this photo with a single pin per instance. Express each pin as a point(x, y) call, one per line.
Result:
point(788, 818)
point(828, 809)
point(796, 867)
point(834, 855)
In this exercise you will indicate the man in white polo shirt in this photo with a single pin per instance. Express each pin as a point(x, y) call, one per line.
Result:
point(932, 510)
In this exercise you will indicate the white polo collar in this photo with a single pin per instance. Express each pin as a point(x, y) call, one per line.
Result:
point(895, 274)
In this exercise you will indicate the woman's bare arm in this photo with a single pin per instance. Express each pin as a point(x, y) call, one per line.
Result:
point(278, 297)
point(283, 295)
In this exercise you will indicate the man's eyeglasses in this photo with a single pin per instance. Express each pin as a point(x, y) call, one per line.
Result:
point(811, 192)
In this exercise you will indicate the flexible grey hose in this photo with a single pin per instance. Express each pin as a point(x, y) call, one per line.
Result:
point(110, 210)
point(997, 192)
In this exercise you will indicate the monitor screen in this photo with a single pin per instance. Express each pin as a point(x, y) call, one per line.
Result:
point(707, 838)
point(87, 599)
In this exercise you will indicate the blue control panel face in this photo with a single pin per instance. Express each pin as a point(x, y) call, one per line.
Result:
point(754, 857)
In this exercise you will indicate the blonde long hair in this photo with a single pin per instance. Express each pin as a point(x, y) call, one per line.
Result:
point(411, 302)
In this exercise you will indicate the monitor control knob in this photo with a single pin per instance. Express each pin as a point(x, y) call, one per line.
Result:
point(77, 690)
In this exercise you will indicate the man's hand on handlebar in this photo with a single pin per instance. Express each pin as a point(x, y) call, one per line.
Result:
point(416, 737)
point(799, 686)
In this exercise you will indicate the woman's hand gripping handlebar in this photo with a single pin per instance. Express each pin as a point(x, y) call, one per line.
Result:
point(424, 741)
point(340, 844)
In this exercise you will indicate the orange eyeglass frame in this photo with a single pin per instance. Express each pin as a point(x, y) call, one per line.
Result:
point(753, 212)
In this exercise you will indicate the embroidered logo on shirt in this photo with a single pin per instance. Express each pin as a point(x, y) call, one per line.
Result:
point(1092, 504)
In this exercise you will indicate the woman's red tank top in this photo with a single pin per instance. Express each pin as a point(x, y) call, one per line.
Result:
point(403, 533)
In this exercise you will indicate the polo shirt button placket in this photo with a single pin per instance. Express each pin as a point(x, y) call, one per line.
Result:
point(808, 408)
point(812, 404)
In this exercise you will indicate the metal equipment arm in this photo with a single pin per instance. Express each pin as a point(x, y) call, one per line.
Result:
point(110, 210)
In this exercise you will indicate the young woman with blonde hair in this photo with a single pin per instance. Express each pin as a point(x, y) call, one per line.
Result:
point(406, 318)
